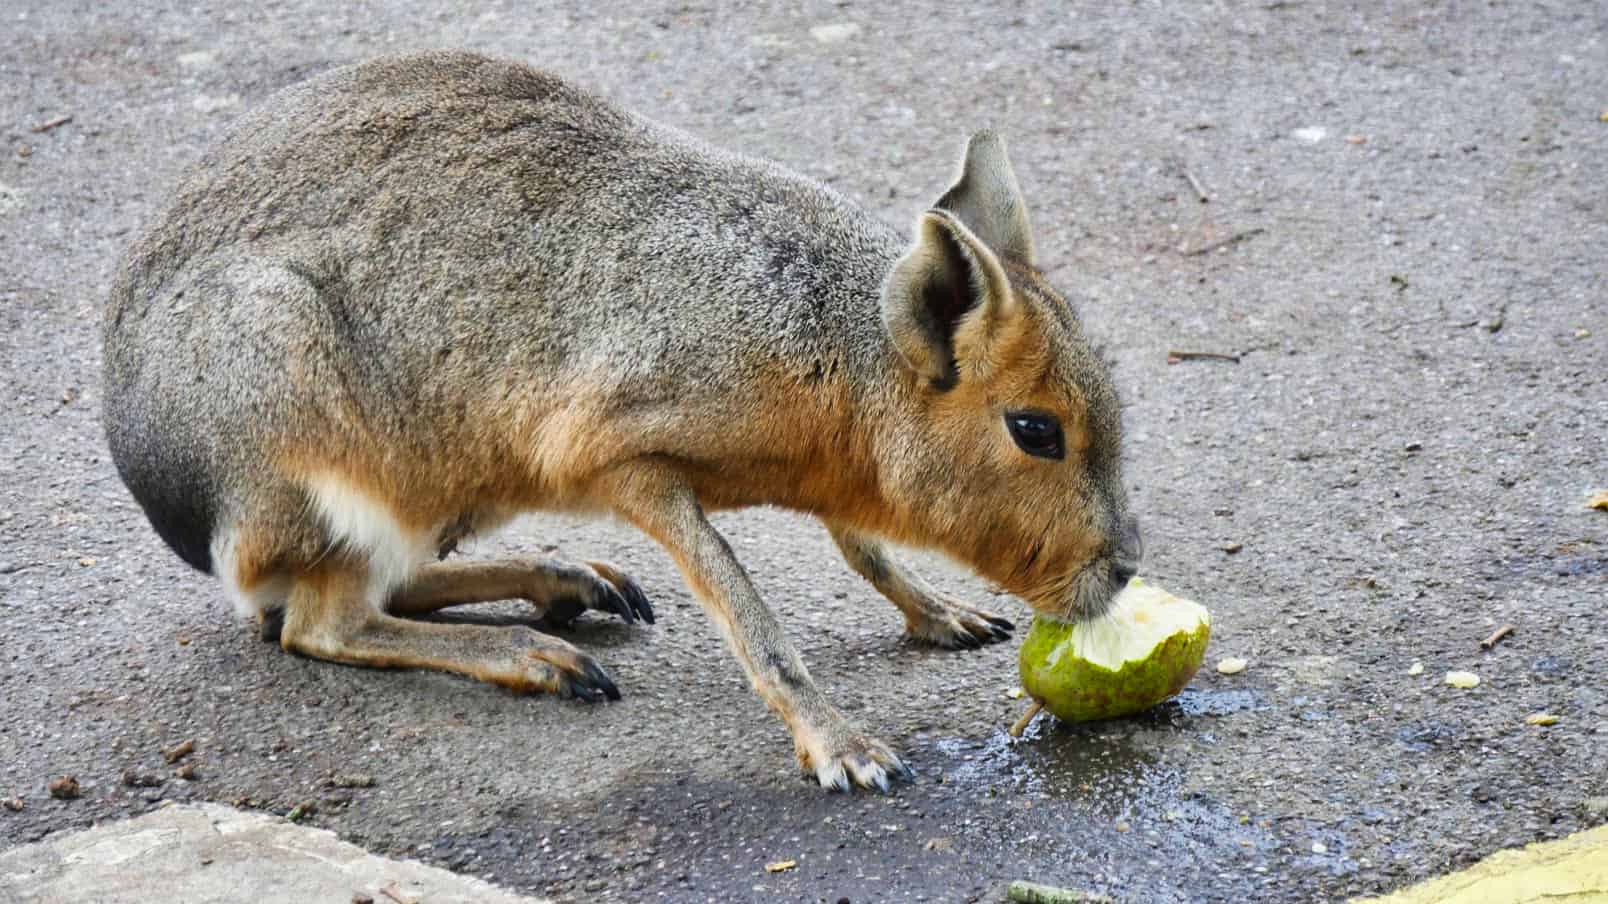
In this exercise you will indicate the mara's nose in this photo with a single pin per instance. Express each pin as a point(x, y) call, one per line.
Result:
point(1130, 549)
point(1122, 571)
point(1129, 546)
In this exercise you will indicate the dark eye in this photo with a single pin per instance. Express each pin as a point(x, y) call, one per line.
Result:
point(1036, 434)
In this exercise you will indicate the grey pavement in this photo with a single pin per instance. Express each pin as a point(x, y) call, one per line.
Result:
point(1402, 239)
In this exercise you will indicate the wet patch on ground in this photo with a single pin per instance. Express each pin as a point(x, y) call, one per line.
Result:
point(1098, 807)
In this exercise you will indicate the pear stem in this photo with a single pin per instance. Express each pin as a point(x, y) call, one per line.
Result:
point(1021, 724)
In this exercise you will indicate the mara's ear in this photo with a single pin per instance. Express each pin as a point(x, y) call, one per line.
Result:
point(987, 199)
point(947, 303)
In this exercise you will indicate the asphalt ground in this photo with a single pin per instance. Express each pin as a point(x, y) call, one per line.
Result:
point(1403, 241)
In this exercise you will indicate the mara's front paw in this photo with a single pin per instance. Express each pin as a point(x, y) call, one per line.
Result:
point(953, 625)
point(847, 758)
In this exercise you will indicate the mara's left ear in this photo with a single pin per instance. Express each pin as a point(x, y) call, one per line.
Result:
point(987, 199)
point(947, 304)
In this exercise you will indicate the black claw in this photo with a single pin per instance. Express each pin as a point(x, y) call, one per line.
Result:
point(905, 774)
point(598, 680)
point(617, 603)
point(627, 611)
point(1001, 633)
point(968, 641)
point(998, 622)
point(639, 600)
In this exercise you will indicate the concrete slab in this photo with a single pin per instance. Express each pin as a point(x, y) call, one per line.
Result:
point(207, 853)
point(1573, 869)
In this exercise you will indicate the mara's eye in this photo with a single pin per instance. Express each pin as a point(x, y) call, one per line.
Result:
point(1037, 434)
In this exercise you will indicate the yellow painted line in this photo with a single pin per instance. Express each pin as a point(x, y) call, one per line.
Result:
point(1573, 870)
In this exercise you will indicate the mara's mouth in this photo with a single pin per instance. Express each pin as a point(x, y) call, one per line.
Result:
point(1084, 595)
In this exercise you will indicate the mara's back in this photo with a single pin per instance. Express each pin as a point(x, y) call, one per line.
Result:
point(442, 188)
point(396, 255)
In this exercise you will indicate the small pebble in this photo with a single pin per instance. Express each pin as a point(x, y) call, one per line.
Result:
point(1463, 680)
point(199, 59)
point(64, 788)
point(1417, 668)
point(834, 32)
point(1542, 719)
point(1233, 665)
point(14, 804)
point(1319, 847)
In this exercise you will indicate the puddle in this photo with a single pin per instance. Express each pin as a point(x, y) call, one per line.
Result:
point(1096, 760)
point(1104, 805)
point(1112, 770)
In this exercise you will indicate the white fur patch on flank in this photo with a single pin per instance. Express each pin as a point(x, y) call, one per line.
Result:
point(363, 525)
point(269, 594)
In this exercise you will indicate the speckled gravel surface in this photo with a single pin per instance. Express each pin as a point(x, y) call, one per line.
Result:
point(1406, 242)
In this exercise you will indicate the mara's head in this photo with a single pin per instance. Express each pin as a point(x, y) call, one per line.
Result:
point(1008, 454)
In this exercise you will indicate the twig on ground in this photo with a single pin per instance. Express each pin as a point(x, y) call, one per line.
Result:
point(47, 125)
point(1174, 356)
point(1200, 190)
point(1496, 637)
point(1234, 239)
point(1021, 724)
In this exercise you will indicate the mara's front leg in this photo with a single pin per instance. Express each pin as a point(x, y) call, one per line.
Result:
point(930, 617)
point(658, 501)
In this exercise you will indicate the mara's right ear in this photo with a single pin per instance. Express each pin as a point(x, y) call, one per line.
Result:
point(947, 303)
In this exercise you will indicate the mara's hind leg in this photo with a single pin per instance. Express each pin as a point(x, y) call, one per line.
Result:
point(559, 590)
point(329, 615)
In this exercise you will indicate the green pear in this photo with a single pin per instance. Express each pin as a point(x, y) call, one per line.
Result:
point(1142, 651)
